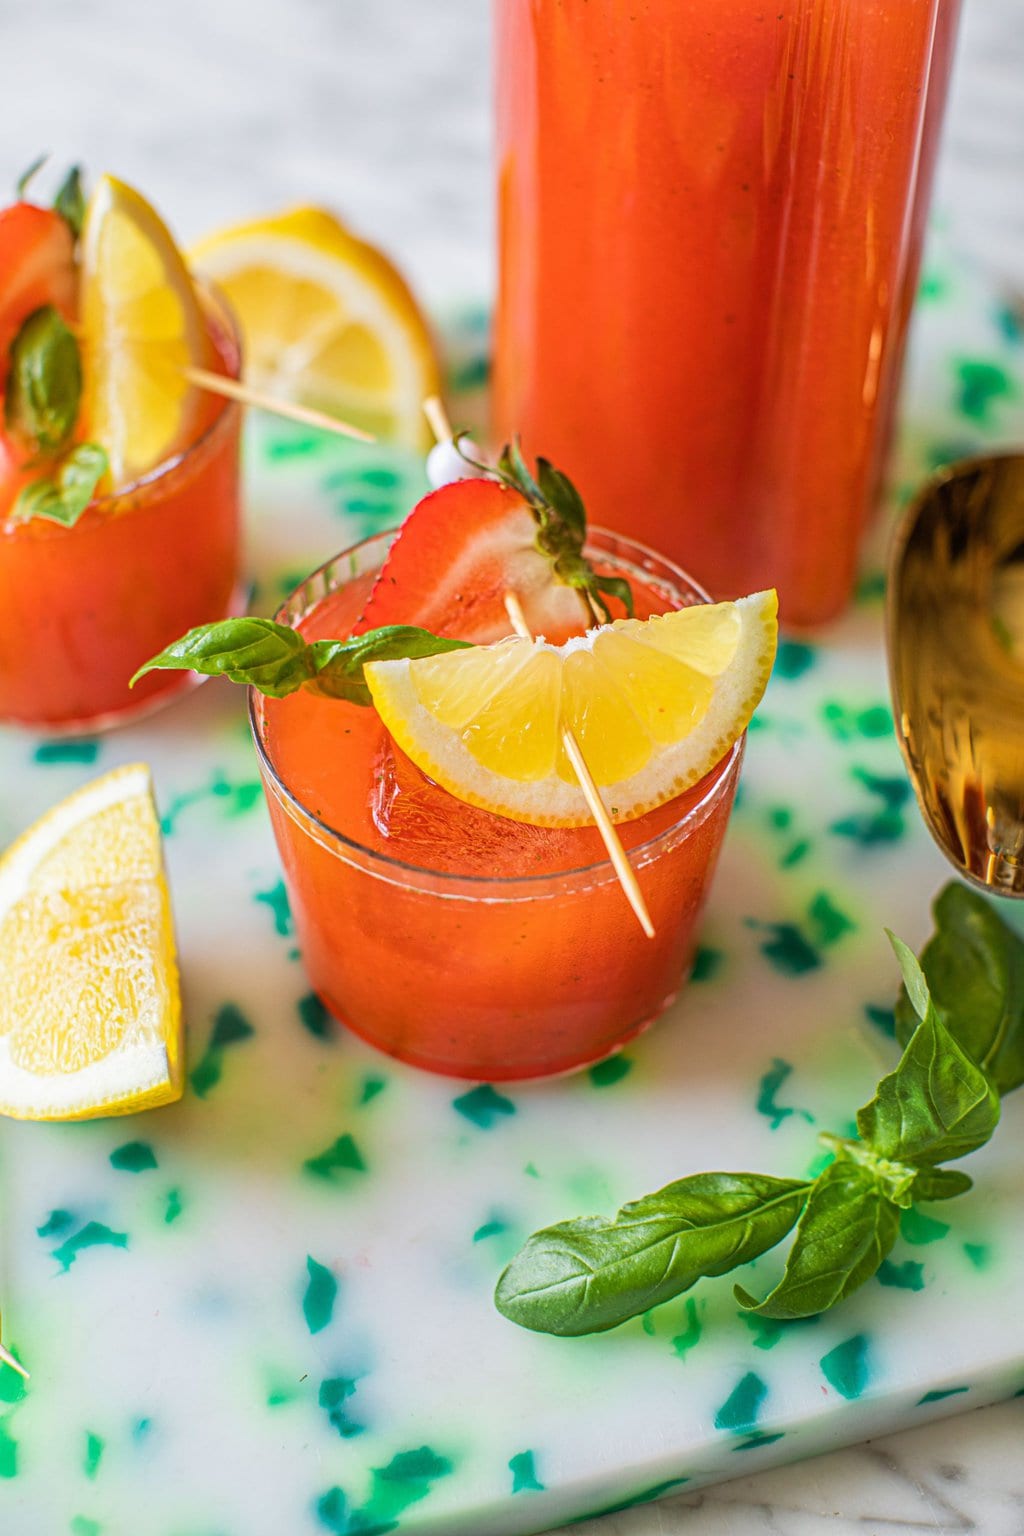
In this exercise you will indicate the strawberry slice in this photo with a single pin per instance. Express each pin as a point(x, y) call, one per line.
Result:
point(456, 555)
point(37, 267)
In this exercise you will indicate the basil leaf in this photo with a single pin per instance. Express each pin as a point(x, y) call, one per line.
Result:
point(938, 1103)
point(974, 965)
point(70, 201)
point(272, 657)
point(44, 386)
point(560, 494)
point(591, 1274)
point(339, 663)
point(65, 497)
point(276, 660)
point(940, 1184)
point(847, 1228)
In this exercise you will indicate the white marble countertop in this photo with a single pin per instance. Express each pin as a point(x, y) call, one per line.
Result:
point(224, 108)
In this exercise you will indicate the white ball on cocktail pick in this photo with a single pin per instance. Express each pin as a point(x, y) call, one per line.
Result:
point(445, 464)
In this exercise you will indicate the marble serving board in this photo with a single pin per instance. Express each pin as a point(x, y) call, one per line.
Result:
point(267, 1311)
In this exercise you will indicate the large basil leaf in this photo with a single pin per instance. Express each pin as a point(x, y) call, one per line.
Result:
point(591, 1274)
point(847, 1228)
point(974, 966)
point(272, 657)
point(938, 1103)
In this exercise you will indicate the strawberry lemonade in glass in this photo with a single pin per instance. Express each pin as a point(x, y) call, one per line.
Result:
point(119, 500)
point(453, 905)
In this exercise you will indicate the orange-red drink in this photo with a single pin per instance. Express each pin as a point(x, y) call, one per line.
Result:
point(709, 217)
point(82, 607)
point(455, 939)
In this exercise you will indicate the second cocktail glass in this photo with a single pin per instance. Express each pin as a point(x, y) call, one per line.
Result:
point(82, 608)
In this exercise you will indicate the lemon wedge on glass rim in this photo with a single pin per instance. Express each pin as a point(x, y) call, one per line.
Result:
point(327, 321)
point(141, 326)
point(653, 704)
point(90, 1013)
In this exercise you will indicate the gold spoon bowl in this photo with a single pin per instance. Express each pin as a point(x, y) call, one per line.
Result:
point(955, 622)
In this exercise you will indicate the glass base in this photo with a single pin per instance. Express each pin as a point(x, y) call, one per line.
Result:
point(512, 1074)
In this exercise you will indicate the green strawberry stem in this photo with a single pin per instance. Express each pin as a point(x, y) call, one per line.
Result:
point(561, 519)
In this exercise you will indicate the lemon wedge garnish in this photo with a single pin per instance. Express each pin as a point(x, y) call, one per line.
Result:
point(653, 704)
point(90, 1015)
point(327, 321)
point(142, 326)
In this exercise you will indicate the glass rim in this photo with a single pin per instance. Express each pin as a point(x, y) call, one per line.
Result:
point(386, 865)
point(210, 297)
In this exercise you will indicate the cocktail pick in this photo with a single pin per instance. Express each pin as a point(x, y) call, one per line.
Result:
point(246, 394)
point(625, 873)
point(612, 842)
point(8, 1359)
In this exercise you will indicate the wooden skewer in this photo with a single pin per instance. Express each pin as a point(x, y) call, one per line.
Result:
point(234, 389)
point(16, 1365)
point(437, 416)
point(591, 794)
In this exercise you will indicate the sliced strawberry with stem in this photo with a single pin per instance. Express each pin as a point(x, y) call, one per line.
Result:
point(456, 555)
point(468, 544)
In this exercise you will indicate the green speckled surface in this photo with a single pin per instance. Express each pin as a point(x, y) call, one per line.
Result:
point(268, 1309)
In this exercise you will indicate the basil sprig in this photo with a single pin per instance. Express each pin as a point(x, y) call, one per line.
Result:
point(277, 661)
point(561, 519)
point(962, 1048)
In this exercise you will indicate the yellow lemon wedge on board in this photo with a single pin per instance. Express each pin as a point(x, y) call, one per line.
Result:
point(654, 705)
point(90, 1013)
point(142, 326)
point(327, 321)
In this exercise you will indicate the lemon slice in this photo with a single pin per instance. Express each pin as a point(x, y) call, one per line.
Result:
point(653, 704)
point(142, 326)
point(327, 321)
point(90, 1017)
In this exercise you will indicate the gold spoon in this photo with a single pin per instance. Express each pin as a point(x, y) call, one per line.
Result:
point(955, 616)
